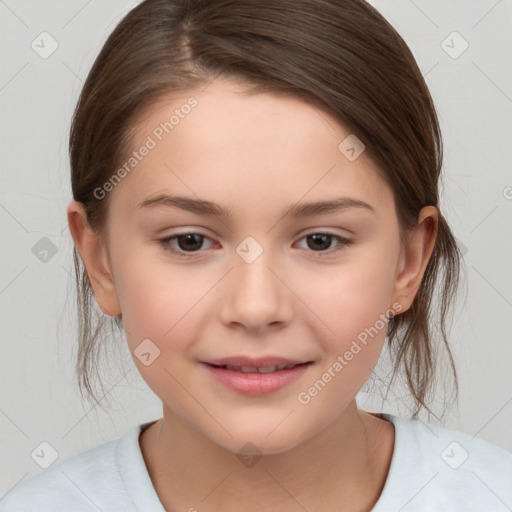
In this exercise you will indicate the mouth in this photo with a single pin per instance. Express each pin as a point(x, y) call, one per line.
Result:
point(256, 378)
point(258, 369)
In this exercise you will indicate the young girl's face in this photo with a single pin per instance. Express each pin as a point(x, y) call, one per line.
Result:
point(254, 283)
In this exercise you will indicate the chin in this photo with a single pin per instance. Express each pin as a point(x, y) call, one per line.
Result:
point(250, 445)
point(261, 437)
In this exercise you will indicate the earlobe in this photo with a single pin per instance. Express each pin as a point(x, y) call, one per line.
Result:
point(95, 257)
point(415, 256)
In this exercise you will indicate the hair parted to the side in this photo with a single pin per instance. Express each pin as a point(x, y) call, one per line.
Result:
point(340, 55)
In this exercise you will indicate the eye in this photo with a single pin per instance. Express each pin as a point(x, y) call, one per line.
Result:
point(321, 241)
point(191, 243)
point(186, 242)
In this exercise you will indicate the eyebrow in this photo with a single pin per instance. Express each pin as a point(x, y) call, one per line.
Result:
point(203, 207)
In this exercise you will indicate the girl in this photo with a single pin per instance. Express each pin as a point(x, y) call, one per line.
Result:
point(255, 202)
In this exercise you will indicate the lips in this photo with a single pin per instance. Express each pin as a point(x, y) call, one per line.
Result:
point(256, 376)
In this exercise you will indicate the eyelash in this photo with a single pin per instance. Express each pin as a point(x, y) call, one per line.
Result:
point(165, 243)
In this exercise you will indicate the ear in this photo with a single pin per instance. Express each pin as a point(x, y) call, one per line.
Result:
point(95, 257)
point(414, 257)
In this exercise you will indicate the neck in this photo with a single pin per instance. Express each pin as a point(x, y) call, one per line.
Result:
point(345, 463)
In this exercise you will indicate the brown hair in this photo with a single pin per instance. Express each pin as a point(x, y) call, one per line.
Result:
point(341, 55)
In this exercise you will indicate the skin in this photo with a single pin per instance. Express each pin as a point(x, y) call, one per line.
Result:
point(256, 154)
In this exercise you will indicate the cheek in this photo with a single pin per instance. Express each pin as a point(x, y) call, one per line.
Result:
point(156, 299)
point(353, 304)
point(350, 298)
point(159, 303)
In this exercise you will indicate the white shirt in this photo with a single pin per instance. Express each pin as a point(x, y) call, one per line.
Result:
point(432, 469)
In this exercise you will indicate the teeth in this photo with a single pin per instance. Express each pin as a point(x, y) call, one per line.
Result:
point(248, 369)
point(270, 369)
point(251, 369)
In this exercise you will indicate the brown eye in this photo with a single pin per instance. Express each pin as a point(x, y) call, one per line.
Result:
point(190, 242)
point(321, 243)
point(184, 243)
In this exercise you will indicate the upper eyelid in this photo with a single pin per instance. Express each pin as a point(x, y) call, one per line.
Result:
point(313, 231)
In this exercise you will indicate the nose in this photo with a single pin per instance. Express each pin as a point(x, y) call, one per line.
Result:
point(256, 296)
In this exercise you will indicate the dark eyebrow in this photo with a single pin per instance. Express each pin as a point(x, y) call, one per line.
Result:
point(203, 207)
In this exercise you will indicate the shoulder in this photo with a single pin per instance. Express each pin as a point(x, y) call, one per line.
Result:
point(434, 468)
point(88, 481)
point(458, 451)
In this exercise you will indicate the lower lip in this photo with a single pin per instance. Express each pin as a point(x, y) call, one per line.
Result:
point(256, 384)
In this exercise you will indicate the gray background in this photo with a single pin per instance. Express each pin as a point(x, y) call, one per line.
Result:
point(39, 399)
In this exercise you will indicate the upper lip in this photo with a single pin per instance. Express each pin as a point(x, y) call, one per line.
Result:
point(258, 362)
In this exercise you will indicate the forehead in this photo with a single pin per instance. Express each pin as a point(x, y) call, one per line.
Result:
point(253, 149)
